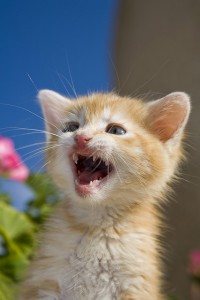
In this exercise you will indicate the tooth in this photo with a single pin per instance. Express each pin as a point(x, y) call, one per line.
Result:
point(94, 157)
point(91, 182)
point(100, 178)
point(75, 158)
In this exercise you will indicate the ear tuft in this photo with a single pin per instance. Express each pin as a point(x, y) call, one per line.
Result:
point(168, 116)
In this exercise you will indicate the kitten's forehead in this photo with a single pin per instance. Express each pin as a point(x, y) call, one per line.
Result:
point(98, 107)
point(107, 108)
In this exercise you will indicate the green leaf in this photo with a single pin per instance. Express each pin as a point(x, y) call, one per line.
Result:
point(16, 229)
point(17, 237)
point(13, 266)
point(7, 288)
point(5, 198)
point(46, 197)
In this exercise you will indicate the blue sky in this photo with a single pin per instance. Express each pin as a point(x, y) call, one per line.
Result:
point(52, 42)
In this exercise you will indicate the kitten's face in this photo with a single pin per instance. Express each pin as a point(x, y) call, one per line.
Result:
point(104, 146)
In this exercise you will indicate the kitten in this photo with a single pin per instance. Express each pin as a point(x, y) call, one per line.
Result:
point(113, 158)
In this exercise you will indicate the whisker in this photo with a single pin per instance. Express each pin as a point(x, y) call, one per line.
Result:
point(34, 151)
point(115, 70)
point(43, 166)
point(13, 128)
point(137, 174)
point(67, 81)
point(37, 90)
point(72, 83)
point(59, 75)
point(32, 145)
point(29, 111)
point(37, 163)
point(115, 166)
point(38, 152)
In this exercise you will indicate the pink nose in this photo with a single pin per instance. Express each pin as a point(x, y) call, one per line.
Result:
point(82, 140)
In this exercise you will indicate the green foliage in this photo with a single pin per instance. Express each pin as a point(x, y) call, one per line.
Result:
point(17, 242)
point(46, 196)
point(7, 288)
point(6, 199)
point(18, 232)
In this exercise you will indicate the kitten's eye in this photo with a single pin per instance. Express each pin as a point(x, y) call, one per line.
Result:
point(70, 127)
point(115, 129)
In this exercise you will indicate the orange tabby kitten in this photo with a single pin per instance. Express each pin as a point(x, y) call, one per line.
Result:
point(113, 158)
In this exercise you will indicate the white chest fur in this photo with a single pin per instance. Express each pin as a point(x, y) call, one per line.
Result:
point(100, 263)
point(98, 267)
point(92, 271)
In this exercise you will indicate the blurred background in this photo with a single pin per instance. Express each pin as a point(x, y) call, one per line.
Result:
point(137, 48)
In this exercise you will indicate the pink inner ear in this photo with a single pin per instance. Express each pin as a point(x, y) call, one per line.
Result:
point(167, 116)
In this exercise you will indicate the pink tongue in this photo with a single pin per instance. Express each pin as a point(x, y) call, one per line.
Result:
point(85, 177)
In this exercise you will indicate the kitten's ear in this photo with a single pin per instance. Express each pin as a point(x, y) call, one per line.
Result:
point(53, 106)
point(168, 116)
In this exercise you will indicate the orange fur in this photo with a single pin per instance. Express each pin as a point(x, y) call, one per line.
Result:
point(105, 244)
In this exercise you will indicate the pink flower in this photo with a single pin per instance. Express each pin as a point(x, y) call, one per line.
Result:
point(10, 162)
point(194, 263)
point(19, 173)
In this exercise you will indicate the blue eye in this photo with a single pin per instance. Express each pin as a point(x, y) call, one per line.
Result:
point(115, 129)
point(70, 127)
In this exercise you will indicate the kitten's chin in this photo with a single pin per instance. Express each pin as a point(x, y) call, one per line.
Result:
point(91, 173)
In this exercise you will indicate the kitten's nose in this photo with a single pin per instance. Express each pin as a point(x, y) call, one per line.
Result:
point(82, 140)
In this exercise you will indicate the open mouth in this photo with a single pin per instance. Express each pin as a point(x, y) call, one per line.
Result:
point(90, 173)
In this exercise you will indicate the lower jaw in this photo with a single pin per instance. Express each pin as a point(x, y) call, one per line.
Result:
point(85, 190)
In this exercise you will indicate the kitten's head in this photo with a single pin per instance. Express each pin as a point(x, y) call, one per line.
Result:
point(103, 147)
